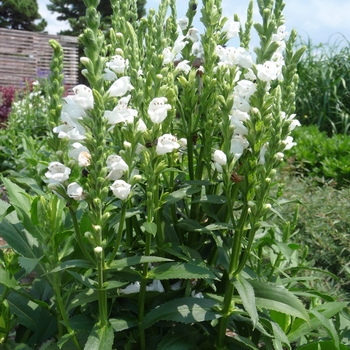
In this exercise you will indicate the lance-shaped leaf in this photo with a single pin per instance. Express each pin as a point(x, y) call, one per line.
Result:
point(179, 270)
point(246, 292)
point(100, 338)
point(134, 260)
point(328, 310)
point(184, 310)
point(276, 297)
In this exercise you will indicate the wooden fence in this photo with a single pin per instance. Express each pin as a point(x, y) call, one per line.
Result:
point(27, 55)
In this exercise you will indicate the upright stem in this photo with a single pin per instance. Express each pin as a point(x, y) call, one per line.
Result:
point(62, 311)
point(102, 292)
point(79, 237)
point(119, 234)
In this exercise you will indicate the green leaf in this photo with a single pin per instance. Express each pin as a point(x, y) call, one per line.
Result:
point(7, 280)
point(121, 324)
point(210, 198)
point(25, 310)
point(150, 227)
point(246, 292)
point(328, 324)
point(100, 338)
point(82, 298)
point(300, 328)
point(180, 337)
point(28, 264)
point(185, 310)
point(22, 202)
point(322, 345)
point(71, 264)
point(191, 225)
point(179, 270)
point(134, 260)
point(275, 297)
point(82, 323)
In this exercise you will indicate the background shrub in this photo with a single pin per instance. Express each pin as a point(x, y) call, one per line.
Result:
point(321, 157)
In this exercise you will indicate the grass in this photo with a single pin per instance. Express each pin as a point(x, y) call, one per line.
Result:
point(323, 226)
point(323, 96)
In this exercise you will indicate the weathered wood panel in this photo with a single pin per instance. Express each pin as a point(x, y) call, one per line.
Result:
point(27, 55)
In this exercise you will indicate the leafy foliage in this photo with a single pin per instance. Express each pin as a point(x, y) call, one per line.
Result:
point(326, 159)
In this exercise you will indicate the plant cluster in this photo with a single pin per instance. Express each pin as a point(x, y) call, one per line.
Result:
point(322, 96)
point(23, 137)
point(152, 225)
point(325, 159)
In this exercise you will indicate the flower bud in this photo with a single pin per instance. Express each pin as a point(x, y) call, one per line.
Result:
point(119, 35)
point(126, 144)
point(98, 250)
point(119, 51)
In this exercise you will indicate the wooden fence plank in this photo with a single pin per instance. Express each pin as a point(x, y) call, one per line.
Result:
point(27, 55)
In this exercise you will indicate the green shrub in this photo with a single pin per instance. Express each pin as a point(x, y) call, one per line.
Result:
point(321, 157)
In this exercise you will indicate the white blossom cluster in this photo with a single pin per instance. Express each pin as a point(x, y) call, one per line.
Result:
point(231, 57)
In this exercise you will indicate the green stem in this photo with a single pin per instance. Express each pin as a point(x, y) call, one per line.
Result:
point(62, 312)
point(142, 294)
point(79, 236)
point(102, 292)
point(119, 234)
point(226, 311)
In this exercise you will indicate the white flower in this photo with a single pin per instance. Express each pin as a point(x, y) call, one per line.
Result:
point(117, 167)
point(109, 75)
point(120, 87)
point(80, 153)
point(238, 145)
point(166, 144)
point(280, 35)
point(121, 189)
point(293, 122)
point(238, 126)
point(220, 157)
point(156, 286)
point(75, 191)
point(58, 172)
point(183, 66)
point(183, 23)
point(243, 58)
point(83, 96)
point(288, 142)
point(245, 89)
point(197, 295)
point(117, 64)
point(250, 75)
point(158, 109)
point(241, 104)
point(242, 116)
point(192, 34)
point(262, 153)
point(168, 56)
point(179, 44)
point(267, 71)
point(231, 28)
point(121, 113)
point(141, 126)
point(75, 111)
point(131, 288)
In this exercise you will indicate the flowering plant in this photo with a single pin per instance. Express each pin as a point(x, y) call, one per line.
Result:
point(149, 226)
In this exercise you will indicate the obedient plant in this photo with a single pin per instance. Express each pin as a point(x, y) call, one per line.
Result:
point(143, 234)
